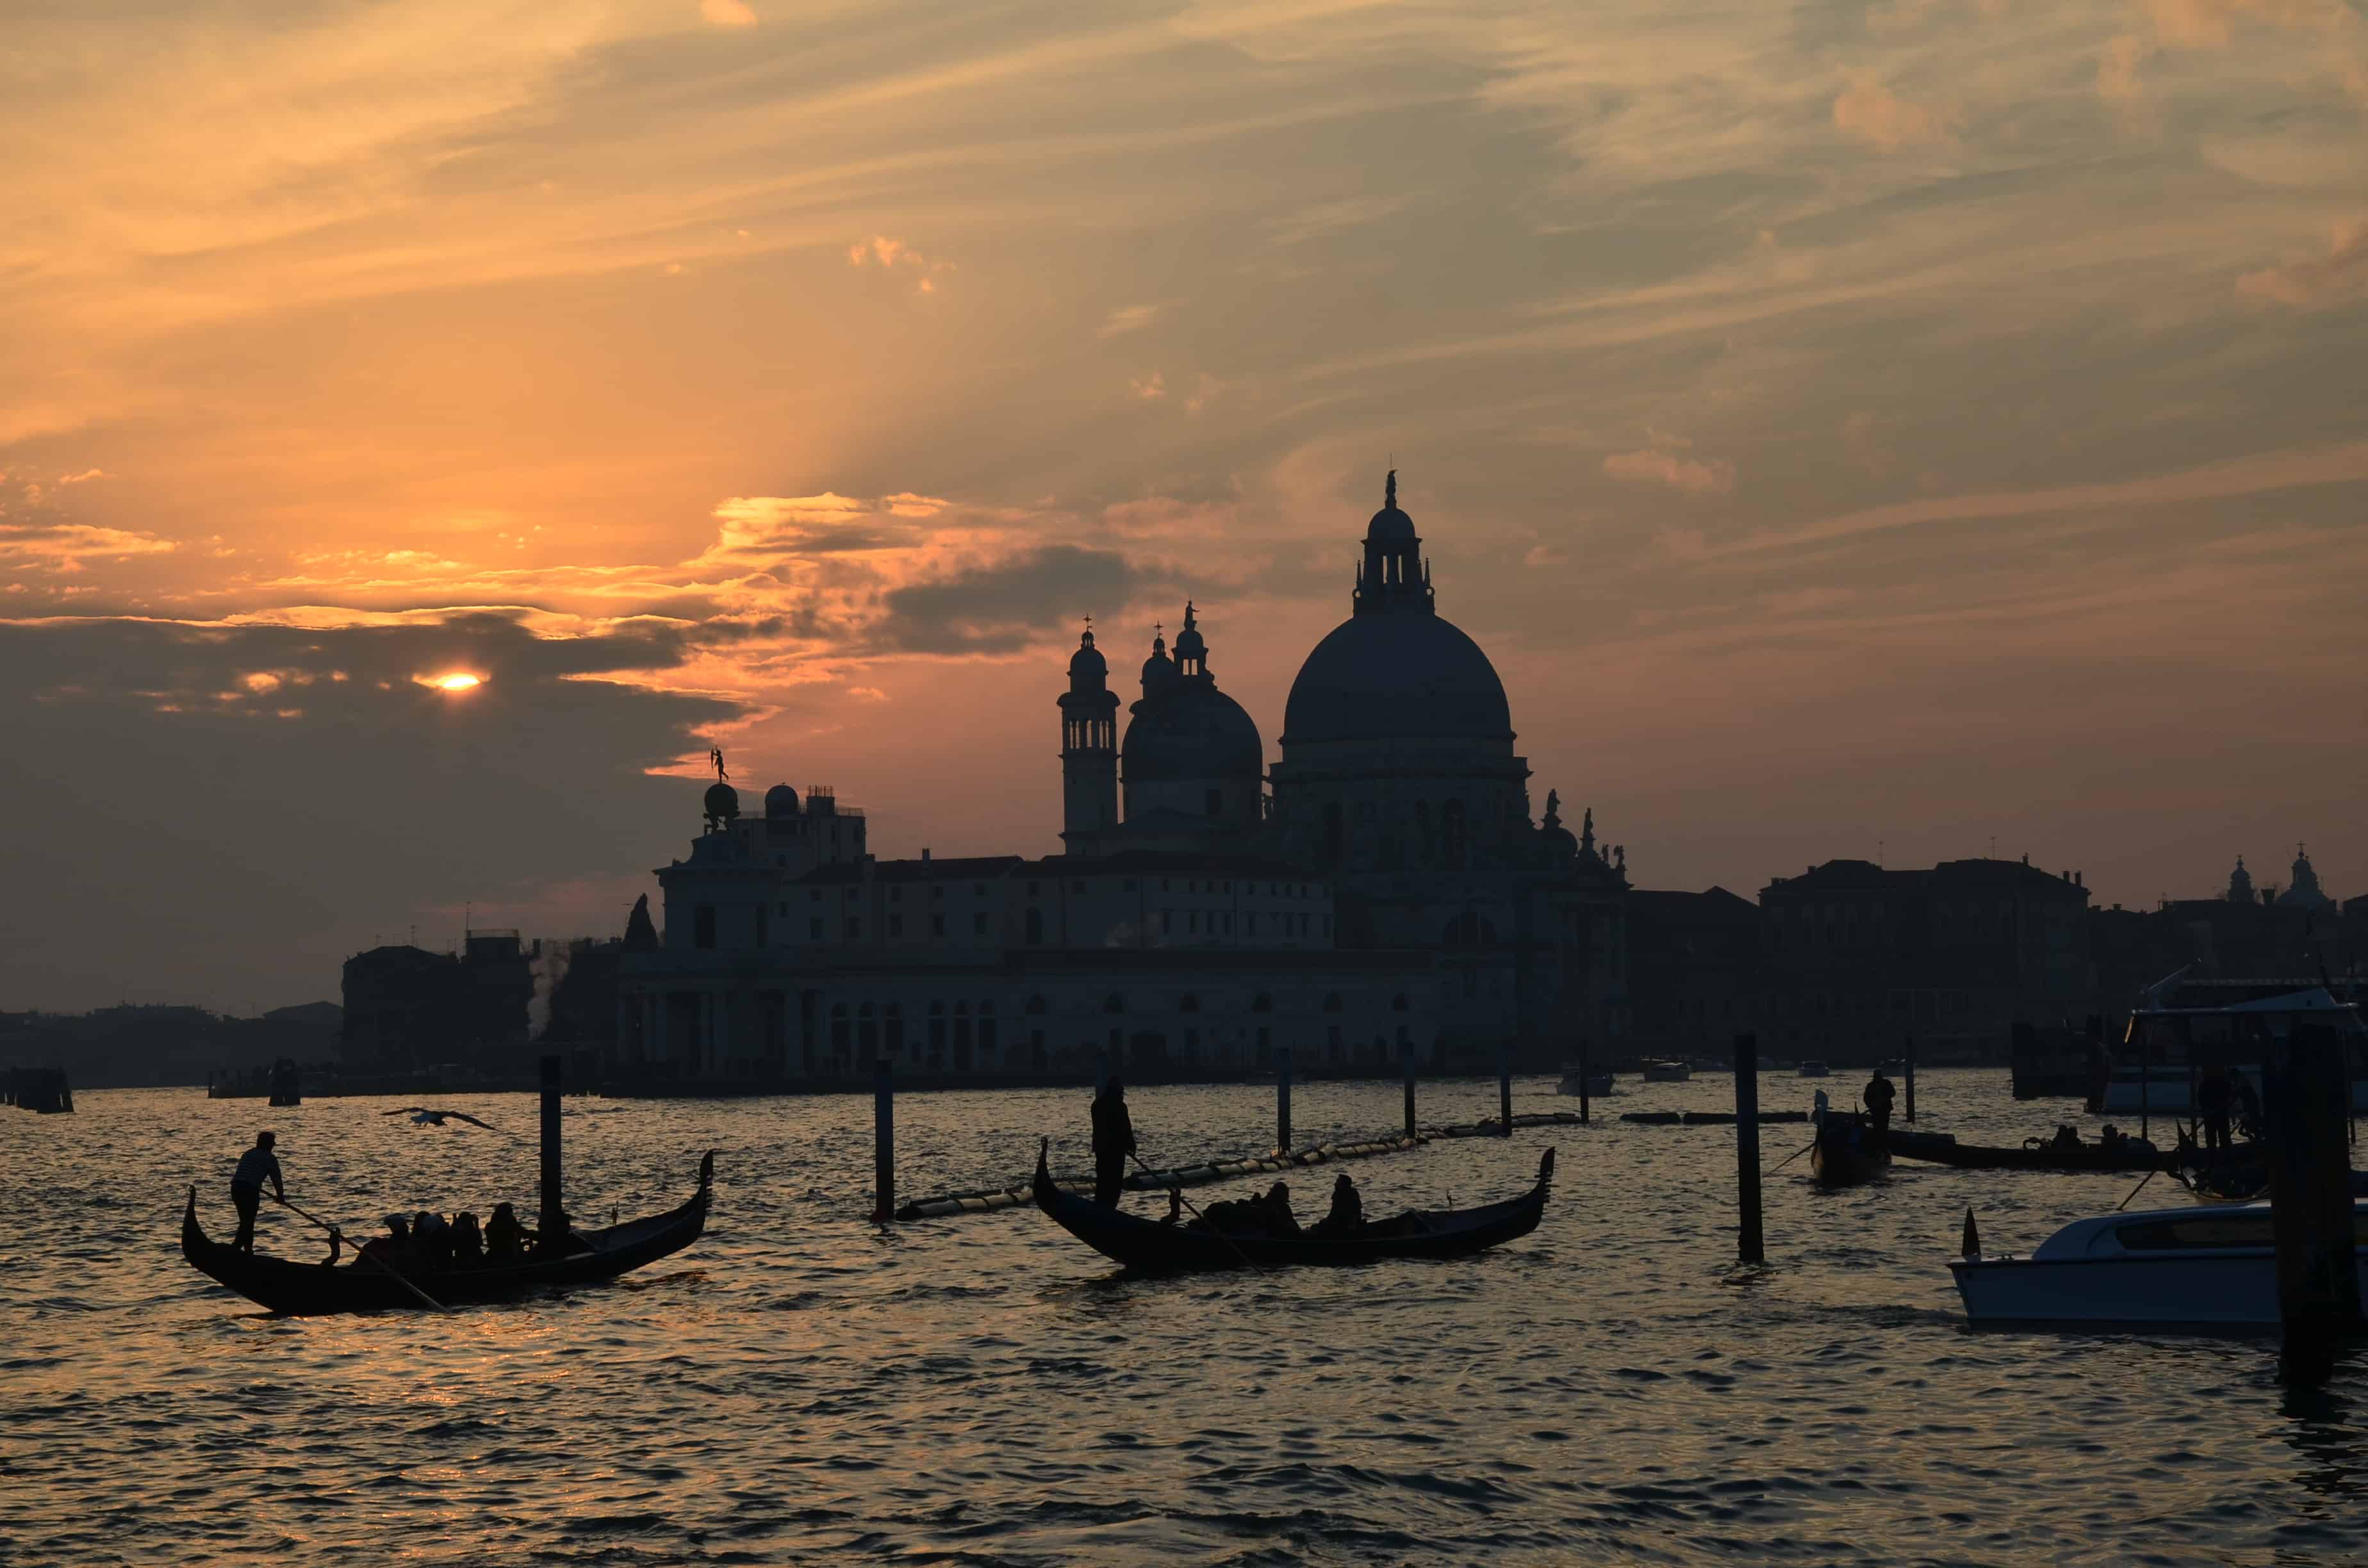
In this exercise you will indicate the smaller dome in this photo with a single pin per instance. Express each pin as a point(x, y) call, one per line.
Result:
point(723, 801)
point(1389, 524)
point(1159, 667)
point(1088, 661)
point(781, 800)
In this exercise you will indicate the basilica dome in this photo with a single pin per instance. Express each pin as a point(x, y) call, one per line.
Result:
point(1190, 730)
point(1402, 674)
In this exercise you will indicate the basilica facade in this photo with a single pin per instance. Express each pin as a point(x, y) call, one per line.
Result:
point(1380, 890)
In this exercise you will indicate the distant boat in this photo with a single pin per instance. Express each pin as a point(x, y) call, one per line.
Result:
point(1594, 1081)
point(1813, 1069)
point(1668, 1069)
point(2197, 1269)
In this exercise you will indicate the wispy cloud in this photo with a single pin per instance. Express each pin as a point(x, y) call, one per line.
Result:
point(2313, 282)
point(1658, 465)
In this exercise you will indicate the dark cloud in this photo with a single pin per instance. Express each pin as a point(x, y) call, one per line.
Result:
point(210, 814)
point(1005, 606)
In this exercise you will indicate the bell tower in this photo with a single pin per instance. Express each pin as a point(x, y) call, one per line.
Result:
point(1088, 749)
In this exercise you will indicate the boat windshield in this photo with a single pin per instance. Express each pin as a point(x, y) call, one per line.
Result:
point(2246, 1228)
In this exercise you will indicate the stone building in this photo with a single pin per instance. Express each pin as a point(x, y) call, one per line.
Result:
point(1380, 890)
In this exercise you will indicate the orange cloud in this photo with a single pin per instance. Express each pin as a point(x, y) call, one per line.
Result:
point(1875, 115)
point(727, 12)
point(1653, 465)
point(2310, 282)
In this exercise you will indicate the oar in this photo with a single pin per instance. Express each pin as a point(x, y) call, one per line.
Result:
point(1188, 1203)
point(1793, 1157)
point(366, 1258)
point(2125, 1203)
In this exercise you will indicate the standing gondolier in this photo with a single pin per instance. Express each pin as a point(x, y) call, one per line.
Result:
point(256, 1166)
point(1113, 1141)
point(1878, 1097)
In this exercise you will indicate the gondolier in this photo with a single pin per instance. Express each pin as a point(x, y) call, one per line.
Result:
point(1113, 1141)
point(256, 1166)
point(1878, 1096)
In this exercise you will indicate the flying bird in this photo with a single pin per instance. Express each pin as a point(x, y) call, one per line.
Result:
point(422, 1115)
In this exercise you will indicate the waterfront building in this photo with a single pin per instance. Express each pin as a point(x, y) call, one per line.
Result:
point(1380, 890)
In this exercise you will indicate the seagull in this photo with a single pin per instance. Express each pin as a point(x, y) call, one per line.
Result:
point(422, 1115)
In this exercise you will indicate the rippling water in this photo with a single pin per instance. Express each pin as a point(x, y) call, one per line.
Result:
point(799, 1388)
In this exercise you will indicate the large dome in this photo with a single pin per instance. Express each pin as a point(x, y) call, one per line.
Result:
point(1398, 674)
point(1190, 730)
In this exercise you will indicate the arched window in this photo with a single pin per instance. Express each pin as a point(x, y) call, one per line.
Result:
point(1262, 1004)
point(1114, 1003)
point(1191, 1004)
point(1035, 928)
point(866, 1032)
point(937, 1034)
point(1332, 1002)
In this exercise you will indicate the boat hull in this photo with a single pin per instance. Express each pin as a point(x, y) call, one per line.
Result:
point(1148, 1247)
point(1845, 1153)
point(2226, 1291)
point(312, 1289)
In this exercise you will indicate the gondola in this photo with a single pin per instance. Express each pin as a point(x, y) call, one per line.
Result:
point(1845, 1151)
point(311, 1290)
point(1150, 1248)
point(2136, 1154)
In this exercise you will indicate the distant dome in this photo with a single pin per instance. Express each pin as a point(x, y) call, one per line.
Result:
point(781, 800)
point(1389, 523)
point(1187, 730)
point(1088, 661)
point(1397, 676)
point(723, 801)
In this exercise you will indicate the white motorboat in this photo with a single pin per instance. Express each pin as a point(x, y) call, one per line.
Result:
point(2213, 1269)
point(1670, 1071)
point(1594, 1081)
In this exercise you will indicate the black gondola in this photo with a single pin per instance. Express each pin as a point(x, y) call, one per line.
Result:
point(2136, 1154)
point(1847, 1151)
point(311, 1290)
point(1157, 1248)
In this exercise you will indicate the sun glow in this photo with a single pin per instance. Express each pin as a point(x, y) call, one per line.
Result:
point(460, 680)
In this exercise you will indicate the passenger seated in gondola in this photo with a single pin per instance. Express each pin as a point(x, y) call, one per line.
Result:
point(393, 1248)
point(1347, 1215)
point(434, 1239)
point(1279, 1216)
point(2066, 1137)
point(468, 1242)
point(504, 1238)
point(2110, 1137)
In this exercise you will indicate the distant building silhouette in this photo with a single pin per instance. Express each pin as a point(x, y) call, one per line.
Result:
point(407, 1008)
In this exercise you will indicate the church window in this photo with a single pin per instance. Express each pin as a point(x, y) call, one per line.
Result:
point(703, 926)
point(1035, 926)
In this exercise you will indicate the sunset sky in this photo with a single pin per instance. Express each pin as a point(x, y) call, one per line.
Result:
point(1908, 424)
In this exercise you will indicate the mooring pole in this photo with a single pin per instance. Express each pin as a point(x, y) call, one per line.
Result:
point(2304, 1097)
point(2145, 1080)
point(555, 1214)
point(1282, 1099)
point(1504, 1084)
point(1909, 1066)
point(1749, 1244)
point(1409, 1088)
point(884, 1138)
point(1583, 1063)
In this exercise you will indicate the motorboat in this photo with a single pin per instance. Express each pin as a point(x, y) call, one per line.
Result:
point(1668, 1069)
point(2195, 1268)
point(1813, 1069)
point(1591, 1081)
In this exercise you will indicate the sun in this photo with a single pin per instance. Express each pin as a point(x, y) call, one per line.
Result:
point(460, 680)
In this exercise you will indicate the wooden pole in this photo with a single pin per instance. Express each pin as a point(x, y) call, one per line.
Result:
point(1282, 1099)
point(554, 1219)
point(1583, 1068)
point(1908, 1064)
point(1750, 1247)
point(884, 1138)
point(2304, 1097)
point(1409, 1087)
point(2145, 1080)
point(1504, 1084)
